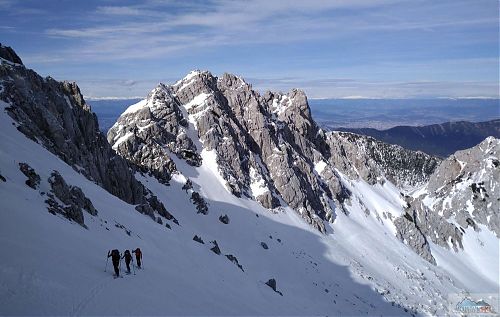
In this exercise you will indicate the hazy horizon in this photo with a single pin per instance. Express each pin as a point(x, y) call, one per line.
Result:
point(329, 49)
point(357, 113)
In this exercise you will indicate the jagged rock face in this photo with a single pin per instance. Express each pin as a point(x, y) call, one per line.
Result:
point(471, 178)
point(465, 187)
point(147, 134)
point(55, 115)
point(266, 147)
point(33, 180)
point(462, 192)
point(72, 197)
point(372, 160)
point(7, 53)
point(409, 233)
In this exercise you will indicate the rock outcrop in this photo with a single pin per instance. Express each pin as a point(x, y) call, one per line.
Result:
point(463, 192)
point(266, 147)
point(33, 180)
point(152, 130)
point(8, 54)
point(356, 155)
point(55, 115)
point(68, 200)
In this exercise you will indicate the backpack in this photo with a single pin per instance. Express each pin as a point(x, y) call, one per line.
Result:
point(115, 255)
point(127, 255)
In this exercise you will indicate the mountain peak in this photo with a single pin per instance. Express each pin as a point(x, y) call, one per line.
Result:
point(8, 54)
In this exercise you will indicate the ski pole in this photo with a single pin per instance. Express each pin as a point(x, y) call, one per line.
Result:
point(106, 267)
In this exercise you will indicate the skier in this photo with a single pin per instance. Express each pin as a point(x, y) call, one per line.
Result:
point(128, 257)
point(115, 257)
point(138, 256)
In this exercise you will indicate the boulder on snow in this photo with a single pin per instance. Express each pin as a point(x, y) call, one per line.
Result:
point(187, 185)
point(264, 245)
point(72, 197)
point(33, 178)
point(198, 239)
point(224, 219)
point(146, 209)
point(233, 259)
point(272, 284)
point(215, 249)
point(200, 203)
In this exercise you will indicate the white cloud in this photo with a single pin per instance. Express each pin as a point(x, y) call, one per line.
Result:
point(125, 28)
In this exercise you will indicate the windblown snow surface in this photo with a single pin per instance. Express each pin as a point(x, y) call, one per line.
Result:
point(51, 266)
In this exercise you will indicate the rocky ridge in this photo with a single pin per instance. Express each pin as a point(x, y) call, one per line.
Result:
point(56, 115)
point(267, 147)
point(373, 160)
point(463, 192)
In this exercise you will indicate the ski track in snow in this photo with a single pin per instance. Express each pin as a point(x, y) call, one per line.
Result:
point(92, 293)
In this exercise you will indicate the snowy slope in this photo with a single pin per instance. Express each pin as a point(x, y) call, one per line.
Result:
point(53, 266)
point(57, 267)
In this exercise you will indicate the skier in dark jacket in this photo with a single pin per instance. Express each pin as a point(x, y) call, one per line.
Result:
point(138, 256)
point(128, 257)
point(115, 258)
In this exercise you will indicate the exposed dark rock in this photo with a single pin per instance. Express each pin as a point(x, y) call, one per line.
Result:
point(462, 188)
point(33, 180)
point(71, 212)
point(200, 203)
point(215, 249)
point(188, 185)
point(409, 233)
point(152, 131)
point(159, 221)
point(146, 209)
point(7, 53)
point(264, 245)
point(2, 178)
point(224, 219)
point(370, 159)
point(272, 284)
point(233, 259)
point(198, 239)
point(72, 198)
point(56, 115)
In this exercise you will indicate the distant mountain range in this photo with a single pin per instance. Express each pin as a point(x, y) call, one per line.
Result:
point(437, 139)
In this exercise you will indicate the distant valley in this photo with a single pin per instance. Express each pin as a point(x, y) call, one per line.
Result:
point(384, 114)
point(437, 139)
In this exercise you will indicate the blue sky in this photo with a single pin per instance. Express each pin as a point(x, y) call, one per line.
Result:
point(337, 48)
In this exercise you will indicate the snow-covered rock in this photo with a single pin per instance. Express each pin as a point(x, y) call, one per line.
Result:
point(258, 160)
